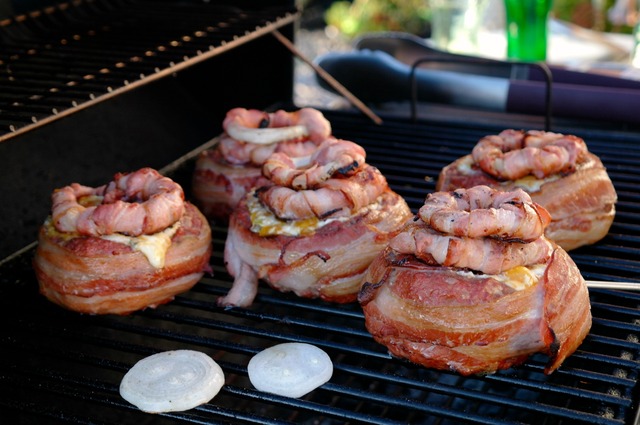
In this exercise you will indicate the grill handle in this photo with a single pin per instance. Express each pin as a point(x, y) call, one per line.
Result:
point(376, 76)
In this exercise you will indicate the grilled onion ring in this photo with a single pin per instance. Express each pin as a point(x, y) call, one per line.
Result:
point(265, 136)
point(258, 127)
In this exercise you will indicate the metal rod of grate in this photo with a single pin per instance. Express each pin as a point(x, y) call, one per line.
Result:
point(78, 53)
point(64, 367)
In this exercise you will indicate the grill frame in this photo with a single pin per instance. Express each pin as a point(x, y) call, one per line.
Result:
point(60, 361)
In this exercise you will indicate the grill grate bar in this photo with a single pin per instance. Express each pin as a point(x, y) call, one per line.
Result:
point(475, 395)
point(585, 376)
point(98, 48)
point(201, 323)
point(257, 332)
point(79, 72)
point(85, 391)
point(289, 319)
point(341, 414)
point(87, 356)
point(390, 379)
point(46, 414)
point(419, 406)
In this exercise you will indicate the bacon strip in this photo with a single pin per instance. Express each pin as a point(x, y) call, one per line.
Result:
point(327, 265)
point(96, 276)
point(439, 317)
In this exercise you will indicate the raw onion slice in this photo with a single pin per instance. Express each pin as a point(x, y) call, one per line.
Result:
point(290, 369)
point(172, 381)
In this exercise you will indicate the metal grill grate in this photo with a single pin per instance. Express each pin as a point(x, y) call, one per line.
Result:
point(66, 368)
point(63, 58)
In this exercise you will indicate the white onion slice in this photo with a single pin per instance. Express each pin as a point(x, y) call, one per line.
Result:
point(291, 369)
point(172, 381)
point(266, 136)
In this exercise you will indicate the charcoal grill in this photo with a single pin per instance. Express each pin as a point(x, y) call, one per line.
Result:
point(61, 367)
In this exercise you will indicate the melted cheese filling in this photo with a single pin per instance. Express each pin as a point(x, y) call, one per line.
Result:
point(265, 223)
point(154, 246)
point(464, 166)
point(519, 277)
point(90, 200)
point(530, 184)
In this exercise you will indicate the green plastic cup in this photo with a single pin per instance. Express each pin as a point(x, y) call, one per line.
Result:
point(526, 27)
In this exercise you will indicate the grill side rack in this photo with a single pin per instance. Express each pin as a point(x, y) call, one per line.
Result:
point(56, 61)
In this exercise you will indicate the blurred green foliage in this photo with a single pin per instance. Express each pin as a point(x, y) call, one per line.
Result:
point(589, 14)
point(356, 17)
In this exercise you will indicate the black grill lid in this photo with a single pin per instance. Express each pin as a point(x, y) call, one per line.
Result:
point(61, 367)
point(69, 56)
